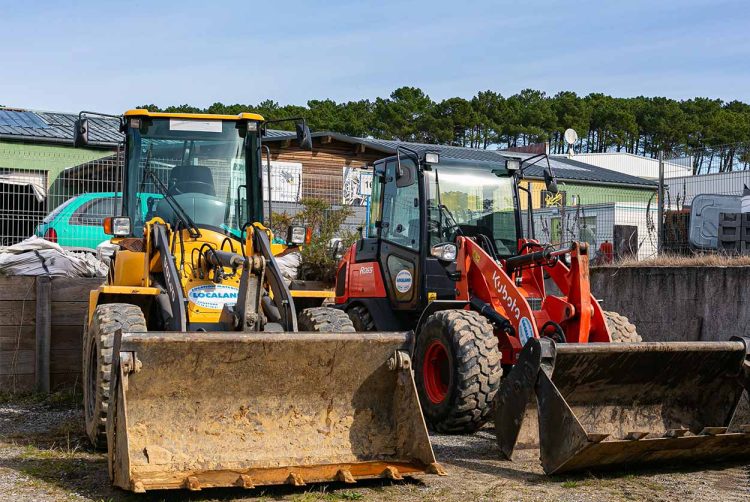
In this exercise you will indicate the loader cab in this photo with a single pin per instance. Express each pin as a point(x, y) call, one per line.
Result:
point(208, 164)
point(419, 205)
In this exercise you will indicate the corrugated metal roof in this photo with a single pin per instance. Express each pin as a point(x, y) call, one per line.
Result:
point(564, 169)
point(56, 127)
point(276, 133)
point(573, 170)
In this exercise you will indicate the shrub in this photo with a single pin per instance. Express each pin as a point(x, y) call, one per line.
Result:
point(318, 260)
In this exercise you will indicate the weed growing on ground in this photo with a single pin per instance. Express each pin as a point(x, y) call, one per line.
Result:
point(698, 260)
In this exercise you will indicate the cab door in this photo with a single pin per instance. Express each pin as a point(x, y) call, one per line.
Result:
point(401, 233)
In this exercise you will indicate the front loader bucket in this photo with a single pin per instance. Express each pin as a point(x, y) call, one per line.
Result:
point(200, 410)
point(606, 405)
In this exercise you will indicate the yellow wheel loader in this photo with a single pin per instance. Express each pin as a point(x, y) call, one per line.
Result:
point(198, 370)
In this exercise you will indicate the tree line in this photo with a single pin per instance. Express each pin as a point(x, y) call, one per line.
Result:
point(714, 133)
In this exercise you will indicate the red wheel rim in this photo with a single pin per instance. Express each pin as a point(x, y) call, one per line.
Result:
point(436, 372)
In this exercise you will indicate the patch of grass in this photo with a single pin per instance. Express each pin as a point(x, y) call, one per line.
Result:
point(48, 463)
point(698, 260)
point(321, 494)
point(350, 495)
point(569, 484)
point(62, 399)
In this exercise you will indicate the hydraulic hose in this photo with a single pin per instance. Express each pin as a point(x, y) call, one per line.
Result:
point(490, 313)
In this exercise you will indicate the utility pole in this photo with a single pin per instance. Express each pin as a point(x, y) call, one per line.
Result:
point(660, 206)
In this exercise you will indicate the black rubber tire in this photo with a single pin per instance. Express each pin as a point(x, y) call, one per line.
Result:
point(97, 362)
point(325, 320)
point(620, 328)
point(473, 367)
point(361, 318)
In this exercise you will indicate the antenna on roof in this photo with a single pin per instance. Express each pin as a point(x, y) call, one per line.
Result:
point(571, 136)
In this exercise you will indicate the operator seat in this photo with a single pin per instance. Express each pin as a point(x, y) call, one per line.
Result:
point(191, 179)
point(193, 189)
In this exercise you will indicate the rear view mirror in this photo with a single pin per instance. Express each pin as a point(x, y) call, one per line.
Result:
point(406, 173)
point(304, 139)
point(81, 132)
point(550, 182)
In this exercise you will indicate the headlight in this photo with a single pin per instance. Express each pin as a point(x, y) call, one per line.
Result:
point(445, 251)
point(296, 235)
point(119, 226)
point(431, 158)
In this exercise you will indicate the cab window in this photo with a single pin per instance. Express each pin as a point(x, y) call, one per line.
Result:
point(400, 220)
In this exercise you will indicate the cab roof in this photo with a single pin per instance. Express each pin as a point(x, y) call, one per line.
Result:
point(197, 116)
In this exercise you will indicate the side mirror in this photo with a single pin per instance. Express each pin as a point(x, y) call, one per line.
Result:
point(304, 139)
point(549, 182)
point(406, 174)
point(337, 249)
point(81, 132)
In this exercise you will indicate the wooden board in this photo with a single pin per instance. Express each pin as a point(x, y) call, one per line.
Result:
point(19, 362)
point(65, 361)
point(17, 288)
point(17, 383)
point(73, 288)
point(67, 338)
point(14, 312)
point(18, 326)
point(17, 337)
point(66, 381)
point(69, 313)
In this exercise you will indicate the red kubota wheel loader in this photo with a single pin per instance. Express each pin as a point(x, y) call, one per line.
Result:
point(450, 254)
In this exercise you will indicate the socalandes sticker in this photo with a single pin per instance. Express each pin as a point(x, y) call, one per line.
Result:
point(525, 331)
point(213, 296)
point(403, 281)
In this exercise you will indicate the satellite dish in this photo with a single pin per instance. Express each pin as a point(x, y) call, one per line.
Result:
point(571, 136)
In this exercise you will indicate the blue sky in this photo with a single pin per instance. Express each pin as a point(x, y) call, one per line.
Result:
point(109, 56)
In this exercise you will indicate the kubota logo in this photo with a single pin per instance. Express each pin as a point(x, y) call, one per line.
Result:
point(509, 300)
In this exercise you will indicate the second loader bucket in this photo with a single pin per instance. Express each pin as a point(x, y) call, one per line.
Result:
point(605, 405)
point(200, 410)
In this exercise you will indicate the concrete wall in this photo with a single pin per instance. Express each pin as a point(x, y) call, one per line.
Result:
point(678, 303)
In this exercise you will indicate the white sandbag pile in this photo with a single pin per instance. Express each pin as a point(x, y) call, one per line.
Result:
point(37, 256)
point(289, 263)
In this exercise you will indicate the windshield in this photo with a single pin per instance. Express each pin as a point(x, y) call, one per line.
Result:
point(200, 164)
point(471, 201)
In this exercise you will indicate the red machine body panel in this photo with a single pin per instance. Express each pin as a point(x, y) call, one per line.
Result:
point(577, 312)
point(362, 280)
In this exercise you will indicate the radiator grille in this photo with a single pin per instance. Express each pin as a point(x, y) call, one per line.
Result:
point(535, 303)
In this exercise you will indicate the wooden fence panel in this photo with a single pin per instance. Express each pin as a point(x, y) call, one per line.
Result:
point(66, 310)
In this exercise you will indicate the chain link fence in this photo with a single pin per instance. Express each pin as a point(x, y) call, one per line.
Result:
point(702, 211)
point(680, 209)
point(615, 223)
point(69, 207)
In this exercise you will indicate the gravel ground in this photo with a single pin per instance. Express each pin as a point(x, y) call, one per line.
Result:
point(44, 457)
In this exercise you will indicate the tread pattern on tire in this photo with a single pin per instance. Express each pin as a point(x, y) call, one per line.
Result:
point(620, 328)
point(477, 368)
point(361, 318)
point(325, 320)
point(107, 319)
